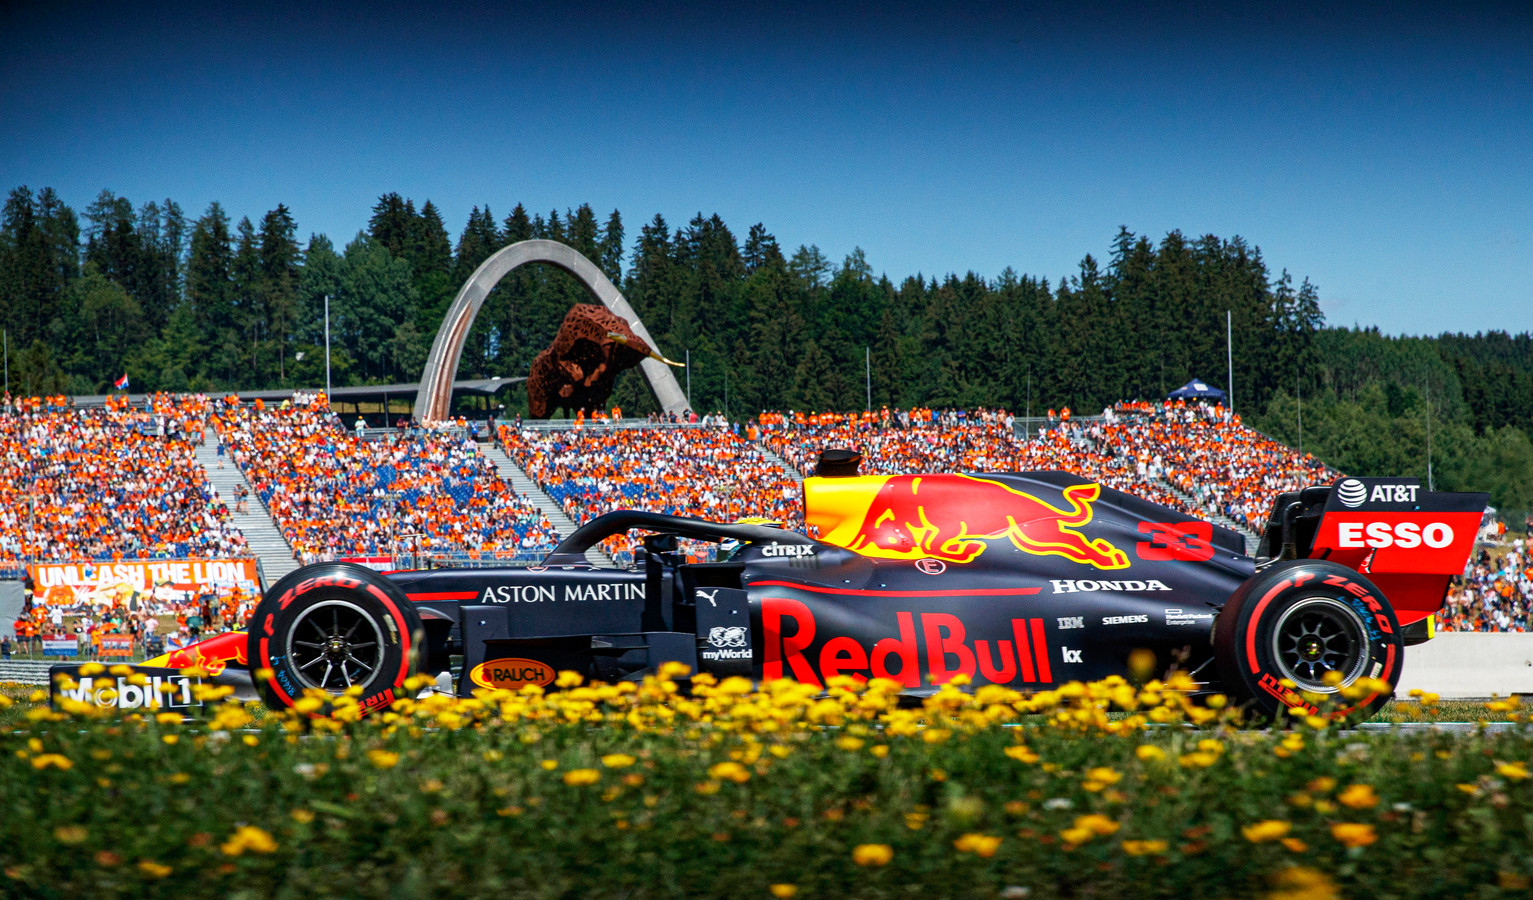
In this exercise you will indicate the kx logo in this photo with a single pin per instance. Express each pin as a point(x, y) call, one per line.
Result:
point(1068, 622)
point(1071, 656)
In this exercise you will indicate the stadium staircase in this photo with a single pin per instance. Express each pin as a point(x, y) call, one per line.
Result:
point(779, 462)
point(261, 533)
point(512, 474)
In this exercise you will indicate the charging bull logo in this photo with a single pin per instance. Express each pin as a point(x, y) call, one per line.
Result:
point(951, 517)
point(212, 655)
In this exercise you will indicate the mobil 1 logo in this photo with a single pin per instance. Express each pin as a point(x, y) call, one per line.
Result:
point(147, 689)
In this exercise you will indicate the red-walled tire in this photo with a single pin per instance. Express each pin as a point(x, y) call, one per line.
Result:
point(332, 626)
point(1298, 620)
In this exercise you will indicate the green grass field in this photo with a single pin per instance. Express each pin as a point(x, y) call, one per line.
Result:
point(620, 792)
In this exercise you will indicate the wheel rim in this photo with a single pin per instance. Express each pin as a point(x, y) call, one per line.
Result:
point(1317, 636)
point(335, 645)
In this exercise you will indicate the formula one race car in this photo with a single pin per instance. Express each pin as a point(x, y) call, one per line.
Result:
point(1029, 580)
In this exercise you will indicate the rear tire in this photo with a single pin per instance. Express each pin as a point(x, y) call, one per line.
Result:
point(1297, 621)
point(334, 626)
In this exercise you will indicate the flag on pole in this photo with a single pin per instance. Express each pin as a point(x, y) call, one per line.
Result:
point(121, 384)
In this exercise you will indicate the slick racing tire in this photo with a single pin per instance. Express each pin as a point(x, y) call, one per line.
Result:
point(1294, 623)
point(333, 626)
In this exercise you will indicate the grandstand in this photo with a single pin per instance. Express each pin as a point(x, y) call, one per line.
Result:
point(119, 483)
point(107, 484)
point(404, 494)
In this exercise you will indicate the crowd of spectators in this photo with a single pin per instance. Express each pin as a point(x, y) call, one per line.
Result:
point(921, 440)
point(1495, 594)
point(108, 483)
point(335, 494)
point(1222, 467)
point(122, 482)
point(156, 621)
point(710, 473)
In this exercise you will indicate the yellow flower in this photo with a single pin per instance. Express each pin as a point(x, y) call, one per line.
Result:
point(70, 834)
point(550, 764)
point(849, 743)
point(872, 854)
point(1514, 770)
point(1358, 796)
point(1321, 785)
point(1021, 754)
point(1295, 845)
point(44, 760)
point(1511, 881)
point(1354, 834)
point(576, 777)
point(383, 759)
point(729, 771)
point(1149, 753)
point(879, 750)
point(1095, 824)
point(1198, 760)
point(251, 838)
point(935, 735)
point(302, 816)
point(1266, 830)
point(1076, 835)
point(978, 844)
point(706, 788)
point(783, 891)
point(169, 718)
point(617, 760)
point(153, 869)
point(1301, 883)
point(1144, 848)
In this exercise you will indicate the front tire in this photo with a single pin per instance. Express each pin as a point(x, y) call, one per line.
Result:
point(1288, 628)
point(333, 627)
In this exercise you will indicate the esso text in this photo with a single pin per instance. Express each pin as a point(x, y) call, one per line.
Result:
point(1405, 535)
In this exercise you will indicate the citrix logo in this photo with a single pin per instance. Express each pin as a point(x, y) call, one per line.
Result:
point(787, 550)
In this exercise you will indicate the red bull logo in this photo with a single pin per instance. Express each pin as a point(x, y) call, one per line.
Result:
point(931, 648)
point(953, 518)
point(212, 655)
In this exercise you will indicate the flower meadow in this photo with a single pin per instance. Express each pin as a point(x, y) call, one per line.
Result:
point(692, 787)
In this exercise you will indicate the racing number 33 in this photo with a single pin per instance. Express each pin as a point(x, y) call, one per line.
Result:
point(1189, 541)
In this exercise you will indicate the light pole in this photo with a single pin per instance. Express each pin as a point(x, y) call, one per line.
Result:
point(1229, 350)
point(327, 348)
point(867, 371)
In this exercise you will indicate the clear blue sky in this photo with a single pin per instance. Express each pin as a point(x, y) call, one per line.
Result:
point(1385, 152)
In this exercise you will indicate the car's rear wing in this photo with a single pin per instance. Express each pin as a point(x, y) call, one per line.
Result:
point(1409, 541)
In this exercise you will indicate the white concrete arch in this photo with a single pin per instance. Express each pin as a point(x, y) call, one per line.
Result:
point(434, 400)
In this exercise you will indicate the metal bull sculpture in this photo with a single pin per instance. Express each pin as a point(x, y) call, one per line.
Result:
point(576, 372)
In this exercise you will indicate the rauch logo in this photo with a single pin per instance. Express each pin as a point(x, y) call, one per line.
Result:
point(510, 674)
